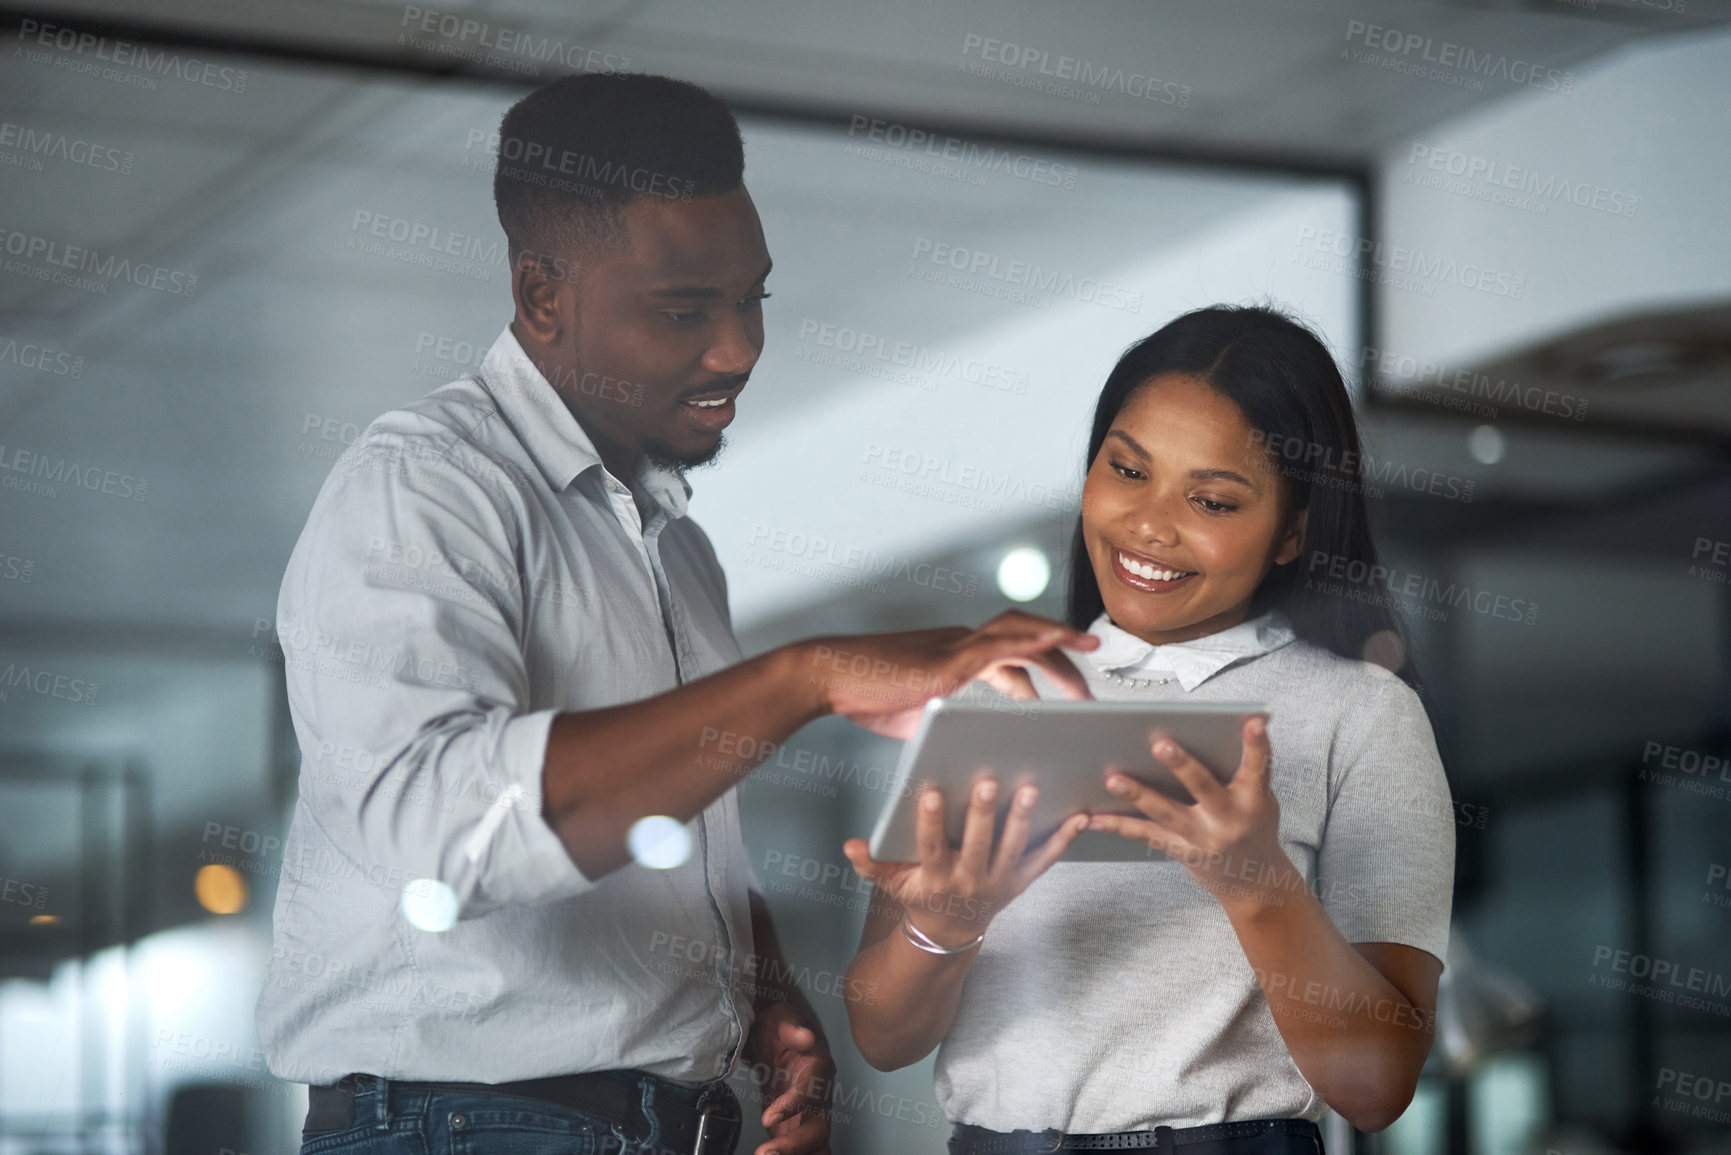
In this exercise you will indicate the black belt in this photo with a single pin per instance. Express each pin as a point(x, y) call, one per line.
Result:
point(703, 1120)
point(1250, 1137)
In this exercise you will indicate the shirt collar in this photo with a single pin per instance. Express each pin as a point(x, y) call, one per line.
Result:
point(1195, 661)
point(556, 442)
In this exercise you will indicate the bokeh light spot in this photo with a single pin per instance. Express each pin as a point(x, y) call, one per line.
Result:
point(220, 889)
point(659, 842)
point(430, 905)
point(1024, 574)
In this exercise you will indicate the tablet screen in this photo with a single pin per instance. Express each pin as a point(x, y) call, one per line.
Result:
point(1065, 748)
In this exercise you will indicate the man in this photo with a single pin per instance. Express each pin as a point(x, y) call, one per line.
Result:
point(505, 643)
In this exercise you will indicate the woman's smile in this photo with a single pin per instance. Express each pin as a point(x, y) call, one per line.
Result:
point(1141, 572)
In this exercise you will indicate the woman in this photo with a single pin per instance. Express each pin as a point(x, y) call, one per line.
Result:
point(1284, 958)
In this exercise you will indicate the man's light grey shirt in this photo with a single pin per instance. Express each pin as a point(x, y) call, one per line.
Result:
point(469, 570)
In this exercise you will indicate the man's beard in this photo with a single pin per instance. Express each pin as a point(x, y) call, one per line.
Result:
point(662, 454)
point(654, 452)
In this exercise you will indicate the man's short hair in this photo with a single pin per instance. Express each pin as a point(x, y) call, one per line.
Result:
point(573, 152)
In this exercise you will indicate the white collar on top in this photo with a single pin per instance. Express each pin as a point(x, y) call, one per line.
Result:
point(1195, 661)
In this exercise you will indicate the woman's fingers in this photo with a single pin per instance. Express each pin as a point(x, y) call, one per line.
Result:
point(929, 837)
point(1049, 851)
point(1139, 830)
point(1191, 774)
point(1149, 801)
point(976, 855)
point(888, 878)
point(1253, 768)
point(1016, 828)
point(858, 852)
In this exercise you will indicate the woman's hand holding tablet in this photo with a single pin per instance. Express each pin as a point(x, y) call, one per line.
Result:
point(951, 894)
point(1228, 839)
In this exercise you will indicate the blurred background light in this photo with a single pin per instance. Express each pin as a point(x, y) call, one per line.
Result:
point(1024, 574)
point(430, 905)
point(1486, 444)
point(659, 842)
point(220, 889)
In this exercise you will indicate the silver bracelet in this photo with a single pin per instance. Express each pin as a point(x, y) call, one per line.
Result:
point(931, 946)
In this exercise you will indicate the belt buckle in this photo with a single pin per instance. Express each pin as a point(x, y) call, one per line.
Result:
point(1051, 1139)
point(720, 1111)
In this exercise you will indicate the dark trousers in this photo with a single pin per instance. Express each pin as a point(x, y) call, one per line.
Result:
point(1250, 1137)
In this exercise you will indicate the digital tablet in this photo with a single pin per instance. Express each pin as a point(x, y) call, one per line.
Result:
point(1064, 748)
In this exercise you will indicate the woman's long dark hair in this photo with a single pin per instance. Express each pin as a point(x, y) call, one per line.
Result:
point(1290, 390)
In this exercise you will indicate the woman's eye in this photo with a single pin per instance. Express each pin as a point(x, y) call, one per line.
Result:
point(1126, 472)
point(756, 299)
point(1215, 506)
point(683, 318)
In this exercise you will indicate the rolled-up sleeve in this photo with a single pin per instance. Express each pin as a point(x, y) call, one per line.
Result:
point(1386, 867)
point(401, 622)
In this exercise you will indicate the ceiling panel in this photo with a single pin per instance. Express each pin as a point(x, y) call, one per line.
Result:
point(1308, 80)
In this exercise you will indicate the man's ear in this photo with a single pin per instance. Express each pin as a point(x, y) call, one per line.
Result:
point(536, 292)
point(1293, 543)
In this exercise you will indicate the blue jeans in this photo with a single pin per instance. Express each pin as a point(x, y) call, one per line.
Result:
point(399, 1120)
